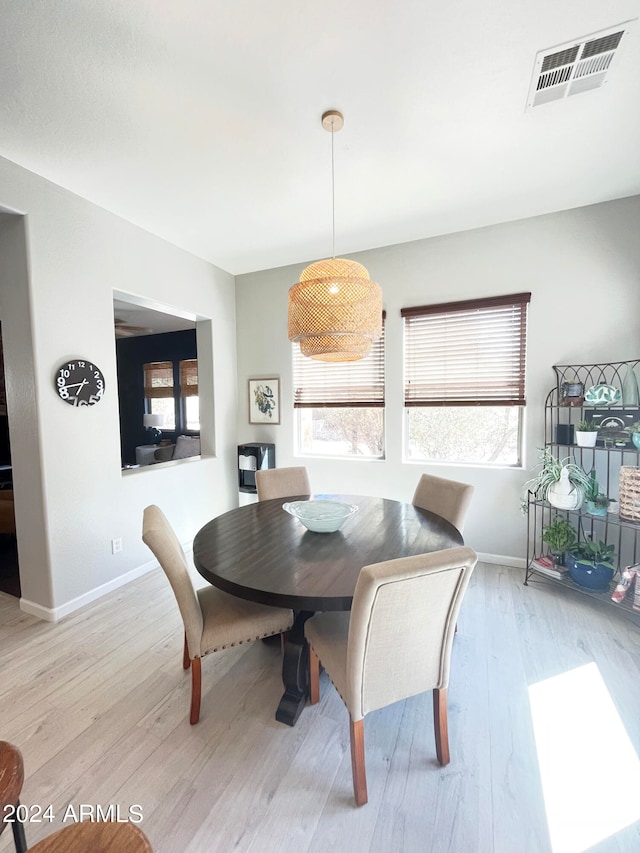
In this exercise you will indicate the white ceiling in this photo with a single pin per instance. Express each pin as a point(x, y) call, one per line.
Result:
point(136, 320)
point(200, 120)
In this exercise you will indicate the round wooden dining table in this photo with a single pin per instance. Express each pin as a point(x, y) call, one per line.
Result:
point(261, 553)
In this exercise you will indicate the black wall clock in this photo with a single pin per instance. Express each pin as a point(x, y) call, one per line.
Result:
point(79, 382)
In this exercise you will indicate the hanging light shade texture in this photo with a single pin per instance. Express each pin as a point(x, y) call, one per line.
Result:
point(335, 311)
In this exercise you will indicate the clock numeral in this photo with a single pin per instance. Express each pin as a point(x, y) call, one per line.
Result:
point(63, 393)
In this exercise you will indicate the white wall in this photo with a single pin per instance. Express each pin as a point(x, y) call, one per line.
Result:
point(583, 269)
point(56, 304)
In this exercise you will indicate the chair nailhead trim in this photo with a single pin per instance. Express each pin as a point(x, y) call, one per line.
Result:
point(248, 640)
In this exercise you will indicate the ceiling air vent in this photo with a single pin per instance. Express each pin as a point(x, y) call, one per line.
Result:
point(578, 66)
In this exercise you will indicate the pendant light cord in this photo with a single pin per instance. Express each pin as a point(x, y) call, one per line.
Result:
point(333, 197)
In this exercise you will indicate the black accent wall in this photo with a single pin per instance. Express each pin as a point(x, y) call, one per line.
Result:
point(132, 354)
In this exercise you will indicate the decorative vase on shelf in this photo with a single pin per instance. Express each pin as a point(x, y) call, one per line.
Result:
point(630, 393)
point(563, 494)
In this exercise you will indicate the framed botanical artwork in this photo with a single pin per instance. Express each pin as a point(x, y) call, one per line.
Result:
point(264, 401)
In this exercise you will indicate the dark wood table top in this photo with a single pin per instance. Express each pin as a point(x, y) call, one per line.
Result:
point(261, 553)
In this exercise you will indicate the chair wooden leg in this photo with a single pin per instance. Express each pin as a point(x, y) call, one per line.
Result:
point(314, 677)
point(186, 660)
point(440, 725)
point(358, 769)
point(196, 689)
point(18, 834)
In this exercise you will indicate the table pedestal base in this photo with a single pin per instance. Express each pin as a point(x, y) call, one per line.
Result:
point(295, 672)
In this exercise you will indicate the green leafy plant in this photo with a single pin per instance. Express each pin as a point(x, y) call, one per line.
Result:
point(560, 535)
point(587, 426)
point(578, 551)
point(634, 427)
point(598, 553)
point(549, 473)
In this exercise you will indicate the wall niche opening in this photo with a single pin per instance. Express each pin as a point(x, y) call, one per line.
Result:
point(160, 355)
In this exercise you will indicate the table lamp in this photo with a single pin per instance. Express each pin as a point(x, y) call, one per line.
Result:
point(151, 423)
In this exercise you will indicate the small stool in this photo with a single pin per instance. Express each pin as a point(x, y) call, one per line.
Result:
point(11, 780)
point(95, 838)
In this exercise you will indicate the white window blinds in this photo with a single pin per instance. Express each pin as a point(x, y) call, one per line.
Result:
point(466, 353)
point(339, 384)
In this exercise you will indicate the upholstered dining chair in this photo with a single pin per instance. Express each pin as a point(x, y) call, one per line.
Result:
point(395, 643)
point(282, 482)
point(447, 498)
point(213, 620)
point(11, 782)
point(98, 837)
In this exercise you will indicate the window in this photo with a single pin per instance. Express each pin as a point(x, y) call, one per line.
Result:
point(177, 402)
point(340, 406)
point(464, 380)
point(189, 400)
point(158, 391)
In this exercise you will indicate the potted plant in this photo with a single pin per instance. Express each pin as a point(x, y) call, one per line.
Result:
point(634, 429)
point(574, 553)
point(594, 569)
point(597, 502)
point(560, 481)
point(586, 434)
point(560, 536)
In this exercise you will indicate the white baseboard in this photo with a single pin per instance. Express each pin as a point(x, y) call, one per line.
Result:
point(35, 609)
point(54, 614)
point(501, 560)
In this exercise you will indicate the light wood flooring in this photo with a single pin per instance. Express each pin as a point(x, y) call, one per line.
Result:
point(99, 703)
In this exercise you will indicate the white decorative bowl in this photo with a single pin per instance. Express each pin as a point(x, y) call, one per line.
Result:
point(320, 516)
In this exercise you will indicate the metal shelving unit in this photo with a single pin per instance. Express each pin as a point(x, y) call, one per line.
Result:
point(613, 449)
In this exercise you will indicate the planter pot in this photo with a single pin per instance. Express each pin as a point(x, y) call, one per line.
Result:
point(635, 438)
point(586, 439)
point(557, 557)
point(570, 560)
point(592, 509)
point(587, 575)
point(563, 495)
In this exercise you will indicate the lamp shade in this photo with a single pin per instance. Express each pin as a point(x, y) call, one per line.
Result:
point(152, 420)
point(335, 311)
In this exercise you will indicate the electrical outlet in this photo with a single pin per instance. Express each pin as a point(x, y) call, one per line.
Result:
point(116, 546)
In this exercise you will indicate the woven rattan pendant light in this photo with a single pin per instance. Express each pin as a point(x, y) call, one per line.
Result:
point(335, 310)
